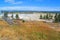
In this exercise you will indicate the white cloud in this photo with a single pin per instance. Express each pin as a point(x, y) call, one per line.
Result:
point(19, 2)
point(31, 8)
point(9, 0)
point(13, 2)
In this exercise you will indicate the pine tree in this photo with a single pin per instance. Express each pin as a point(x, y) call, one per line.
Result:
point(56, 18)
point(40, 16)
point(12, 16)
point(50, 16)
point(47, 17)
point(59, 17)
point(17, 17)
point(6, 14)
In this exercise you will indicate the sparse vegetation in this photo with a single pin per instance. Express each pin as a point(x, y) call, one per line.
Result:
point(23, 20)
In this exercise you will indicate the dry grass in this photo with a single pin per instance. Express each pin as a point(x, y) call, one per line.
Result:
point(27, 31)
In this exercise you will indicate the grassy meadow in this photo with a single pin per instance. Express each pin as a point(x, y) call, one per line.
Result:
point(32, 30)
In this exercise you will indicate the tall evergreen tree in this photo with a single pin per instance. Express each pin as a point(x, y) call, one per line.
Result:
point(40, 16)
point(6, 14)
point(56, 18)
point(12, 16)
point(50, 16)
point(47, 16)
point(59, 17)
point(17, 17)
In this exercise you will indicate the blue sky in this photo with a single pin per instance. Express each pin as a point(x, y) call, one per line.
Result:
point(33, 5)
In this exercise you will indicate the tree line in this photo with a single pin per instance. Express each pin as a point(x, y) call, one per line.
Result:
point(6, 15)
point(49, 16)
point(57, 18)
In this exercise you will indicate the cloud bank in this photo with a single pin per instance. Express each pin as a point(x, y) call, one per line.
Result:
point(30, 8)
point(13, 2)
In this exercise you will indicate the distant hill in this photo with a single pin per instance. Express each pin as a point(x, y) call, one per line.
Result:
point(30, 11)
